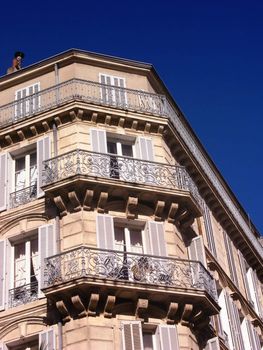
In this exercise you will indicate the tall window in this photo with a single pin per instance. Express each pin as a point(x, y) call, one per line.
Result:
point(28, 100)
point(112, 91)
point(25, 171)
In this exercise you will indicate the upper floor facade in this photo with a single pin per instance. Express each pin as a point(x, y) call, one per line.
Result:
point(111, 208)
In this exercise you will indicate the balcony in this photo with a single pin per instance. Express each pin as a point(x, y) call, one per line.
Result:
point(91, 167)
point(26, 195)
point(84, 91)
point(128, 276)
point(23, 294)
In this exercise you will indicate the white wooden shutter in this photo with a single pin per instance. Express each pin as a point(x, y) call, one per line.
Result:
point(230, 258)
point(252, 282)
point(237, 327)
point(144, 148)
point(168, 337)
point(2, 274)
point(132, 335)
point(43, 153)
point(244, 275)
point(47, 339)
point(3, 181)
point(225, 318)
point(154, 238)
point(3, 346)
point(98, 140)
point(247, 335)
point(212, 344)
point(105, 231)
point(209, 230)
point(46, 247)
point(197, 251)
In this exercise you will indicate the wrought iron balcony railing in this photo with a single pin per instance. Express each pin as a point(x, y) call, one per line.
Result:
point(23, 294)
point(80, 162)
point(82, 90)
point(85, 262)
point(26, 195)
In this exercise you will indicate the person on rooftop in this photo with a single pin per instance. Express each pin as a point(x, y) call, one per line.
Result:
point(17, 62)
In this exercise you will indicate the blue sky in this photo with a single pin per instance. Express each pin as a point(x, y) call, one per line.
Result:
point(208, 53)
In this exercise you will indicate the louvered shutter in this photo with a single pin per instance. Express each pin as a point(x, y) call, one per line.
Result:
point(132, 336)
point(3, 346)
point(209, 230)
point(105, 231)
point(47, 339)
point(247, 335)
point(212, 344)
point(3, 181)
point(230, 258)
point(46, 247)
point(244, 275)
point(225, 317)
point(43, 153)
point(2, 274)
point(168, 337)
point(237, 326)
point(144, 148)
point(197, 250)
point(252, 282)
point(98, 140)
point(154, 239)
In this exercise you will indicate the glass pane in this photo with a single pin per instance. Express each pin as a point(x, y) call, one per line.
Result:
point(127, 150)
point(112, 147)
point(119, 238)
point(20, 164)
point(33, 159)
point(136, 241)
point(147, 341)
point(34, 259)
point(20, 265)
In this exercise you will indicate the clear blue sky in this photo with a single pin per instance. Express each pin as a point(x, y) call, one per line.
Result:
point(208, 53)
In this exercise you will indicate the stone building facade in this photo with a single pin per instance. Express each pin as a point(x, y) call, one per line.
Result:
point(116, 229)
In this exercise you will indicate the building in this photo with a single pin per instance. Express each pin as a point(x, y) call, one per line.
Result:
point(117, 230)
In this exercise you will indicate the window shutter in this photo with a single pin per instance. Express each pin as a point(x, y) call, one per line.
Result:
point(230, 258)
point(154, 239)
point(105, 231)
point(209, 230)
point(225, 317)
point(43, 153)
point(244, 275)
point(98, 140)
point(252, 282)
point(144, 149)
point(47, 339)
point(212, 344)
point(2, 274)
point(132, 336)
point(197, 250)
point(46, 247)
point(3, 346)
point(168, 337)
point(247, 335)
point(3, 181)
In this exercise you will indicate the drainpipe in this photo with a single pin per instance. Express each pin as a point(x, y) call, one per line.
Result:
point(57, 223)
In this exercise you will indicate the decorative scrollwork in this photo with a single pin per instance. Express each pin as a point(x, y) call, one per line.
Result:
point(80, 162)
point(23, 294)
point(23, 196)
point(129, 267)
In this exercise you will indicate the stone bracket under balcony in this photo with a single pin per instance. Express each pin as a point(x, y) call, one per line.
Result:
point(88, 281)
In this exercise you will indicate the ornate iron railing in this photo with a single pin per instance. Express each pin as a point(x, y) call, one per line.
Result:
point(127, 267)
point(23, 294)
point(82, 90)
point(80, 162)
point(26, 195)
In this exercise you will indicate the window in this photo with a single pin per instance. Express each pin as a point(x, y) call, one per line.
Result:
point(120, 162)
point(112, 90)
point(21, 174)
point(164, 337)
point(45, 340)
point(132, 241)
point(25, 171)
point(22, 265)
point(25, 271)
point(28, 100)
